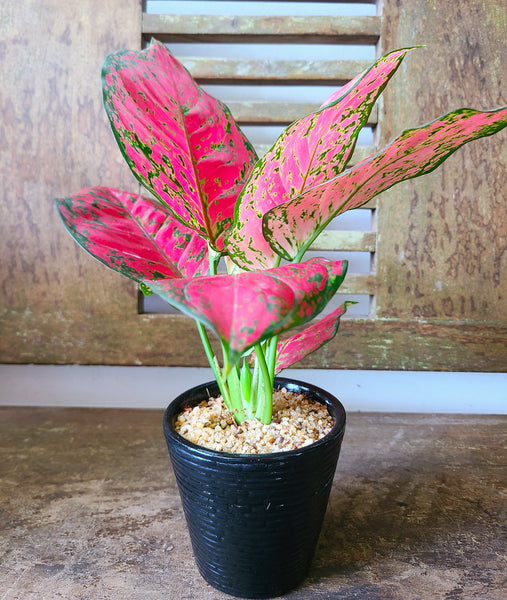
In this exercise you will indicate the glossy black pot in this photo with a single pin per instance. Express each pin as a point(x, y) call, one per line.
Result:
point(254, 520)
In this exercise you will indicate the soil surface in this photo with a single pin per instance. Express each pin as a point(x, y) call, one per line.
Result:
point(297, 421)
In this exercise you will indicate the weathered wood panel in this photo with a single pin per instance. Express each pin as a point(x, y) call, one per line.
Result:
point(55, 140)
point(442, 250)
point(247, 29)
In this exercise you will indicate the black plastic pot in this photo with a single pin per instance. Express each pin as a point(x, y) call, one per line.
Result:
point(254, 520)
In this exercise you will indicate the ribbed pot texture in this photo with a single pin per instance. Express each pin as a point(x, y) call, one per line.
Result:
point(254, 520)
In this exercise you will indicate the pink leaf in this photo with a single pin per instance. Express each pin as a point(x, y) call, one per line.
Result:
point(248, 308)
point(133, 235)
point(293, 349)
point(309, 152)
point(292, 227)
point(181, 143)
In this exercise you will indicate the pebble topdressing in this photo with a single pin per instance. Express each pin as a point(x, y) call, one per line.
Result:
point(297, 421)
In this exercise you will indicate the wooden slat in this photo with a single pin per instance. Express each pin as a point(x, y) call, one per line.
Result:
point(99, 337)
point(358, 283)
point(346, 241)
point(371, 205)
point(360, 153)
point(248, 29)
point(278, 113)
point(314, 72)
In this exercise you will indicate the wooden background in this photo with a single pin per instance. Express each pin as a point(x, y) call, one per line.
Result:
point(439, 279)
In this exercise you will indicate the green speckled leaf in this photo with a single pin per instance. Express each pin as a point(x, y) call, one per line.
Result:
point(181, 143)
point(133, 235)
point(311, 151)
point(247, 308)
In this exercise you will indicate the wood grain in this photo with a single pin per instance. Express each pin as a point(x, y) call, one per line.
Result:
point(90, 509)
point(442, 251)
point(91, 337)
point(248, 29)
point(315, 72)
point(56, 140)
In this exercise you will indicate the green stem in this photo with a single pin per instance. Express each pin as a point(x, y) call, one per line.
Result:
point(255, 387)
point(231, 400)
point(264, 407)
point(212, 359)
point(273, 343)
point(238, 407)
point(214, 259)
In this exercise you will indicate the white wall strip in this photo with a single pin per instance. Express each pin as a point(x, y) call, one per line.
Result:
point(154, 387)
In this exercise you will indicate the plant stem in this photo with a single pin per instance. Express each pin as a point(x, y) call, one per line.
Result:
point(214, 259)
point(240, 409)
point(255, 386)
point(264, 389)
point(210, 356)
point(273, 343)
point(231, 400)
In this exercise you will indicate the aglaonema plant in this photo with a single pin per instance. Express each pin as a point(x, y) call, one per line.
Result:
point(212, 198)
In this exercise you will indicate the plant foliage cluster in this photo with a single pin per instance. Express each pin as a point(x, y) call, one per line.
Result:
point(210, 196)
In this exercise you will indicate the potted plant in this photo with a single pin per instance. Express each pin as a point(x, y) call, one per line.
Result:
point(254, 518)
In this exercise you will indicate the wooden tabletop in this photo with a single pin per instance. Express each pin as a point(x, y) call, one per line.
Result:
point(89, 510)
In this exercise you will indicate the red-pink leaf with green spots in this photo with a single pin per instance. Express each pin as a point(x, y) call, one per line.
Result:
point(132, 234)
point(248, 308)
point(296, 347)
point(293, 226)
point(181, 143)
point(309, 152)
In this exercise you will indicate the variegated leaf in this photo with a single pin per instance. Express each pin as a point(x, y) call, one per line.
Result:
point(132, 234)
point(292, 227)
point(246, 309)
point(296, 347)
point(309, 152)
point(181, 143)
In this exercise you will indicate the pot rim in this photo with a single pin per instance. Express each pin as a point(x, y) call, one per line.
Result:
point(335, 408)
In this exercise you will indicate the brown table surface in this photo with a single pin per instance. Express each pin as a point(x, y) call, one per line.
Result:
point(89, 510)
